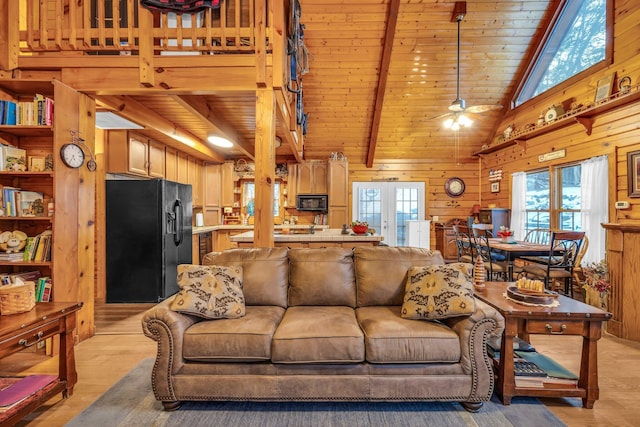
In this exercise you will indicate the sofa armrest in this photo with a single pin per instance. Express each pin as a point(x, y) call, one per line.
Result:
point(473, 331)
point(167, 327)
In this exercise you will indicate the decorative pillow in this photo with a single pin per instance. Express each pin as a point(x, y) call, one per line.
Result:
point(209, 291)
point(439, 292)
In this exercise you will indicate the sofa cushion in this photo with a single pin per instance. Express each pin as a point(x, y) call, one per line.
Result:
point(381, 272)
point(247, 339)
point(209, 291)
point(318, 334)
point(389, 338)
point(439, 292)
point(265, 271)
point(321, 277)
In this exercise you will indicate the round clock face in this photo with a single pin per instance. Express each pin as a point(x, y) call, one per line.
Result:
point(72, 155)
point(454, 187)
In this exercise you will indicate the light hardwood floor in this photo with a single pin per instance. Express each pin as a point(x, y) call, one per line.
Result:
point(119, 345)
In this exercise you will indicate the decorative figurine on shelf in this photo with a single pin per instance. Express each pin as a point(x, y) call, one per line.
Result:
point(479, 275)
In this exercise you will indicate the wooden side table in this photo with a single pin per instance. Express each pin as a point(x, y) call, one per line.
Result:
point(571, 317)
point(20, 331)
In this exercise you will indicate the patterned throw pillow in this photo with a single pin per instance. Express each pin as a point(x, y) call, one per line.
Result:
point(439, 292)
point(209, 291)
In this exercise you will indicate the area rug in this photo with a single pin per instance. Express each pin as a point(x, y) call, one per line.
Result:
point(130, 402)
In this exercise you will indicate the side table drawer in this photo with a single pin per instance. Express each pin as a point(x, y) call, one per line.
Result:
point(555, 327)
point(30, 336)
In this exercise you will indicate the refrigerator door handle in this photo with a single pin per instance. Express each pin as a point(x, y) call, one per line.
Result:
point(178, 211)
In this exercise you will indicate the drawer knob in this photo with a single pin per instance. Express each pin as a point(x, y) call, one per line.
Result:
point(549, 329)
point(24, 342)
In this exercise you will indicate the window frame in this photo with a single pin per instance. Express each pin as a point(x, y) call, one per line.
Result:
point(540, 43)
point(555, 196)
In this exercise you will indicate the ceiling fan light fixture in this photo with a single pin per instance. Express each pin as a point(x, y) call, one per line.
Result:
point(465, 121)
point(448, 123)
point(457, 105)
point(219, 141)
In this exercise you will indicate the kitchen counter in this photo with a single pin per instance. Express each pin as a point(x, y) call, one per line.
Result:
point(209, 228)
point(321, 238)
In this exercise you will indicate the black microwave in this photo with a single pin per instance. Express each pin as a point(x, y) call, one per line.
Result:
point(312, 202)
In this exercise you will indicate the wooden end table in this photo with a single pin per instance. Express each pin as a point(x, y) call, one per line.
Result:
point(20, 331)
point(571, 317)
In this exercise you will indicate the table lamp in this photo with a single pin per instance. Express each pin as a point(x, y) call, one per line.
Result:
point(475, 212)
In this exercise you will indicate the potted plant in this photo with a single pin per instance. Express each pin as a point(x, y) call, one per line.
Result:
point(597, 284)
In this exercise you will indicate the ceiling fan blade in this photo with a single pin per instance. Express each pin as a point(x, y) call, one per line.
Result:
point(440, 116)
point(476, 109)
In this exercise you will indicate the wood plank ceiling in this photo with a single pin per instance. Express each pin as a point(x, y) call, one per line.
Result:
point(373, 116)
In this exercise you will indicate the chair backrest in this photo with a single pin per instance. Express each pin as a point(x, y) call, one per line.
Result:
point(481, 235)
point(583, 250)
point(565, 248)
point(463, 242)
point(538, 235)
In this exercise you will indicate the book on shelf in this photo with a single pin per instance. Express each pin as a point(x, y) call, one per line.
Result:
point(12, 256)
point(494, 342)
point(47, 289)
point(14, 159)
point(8, 112)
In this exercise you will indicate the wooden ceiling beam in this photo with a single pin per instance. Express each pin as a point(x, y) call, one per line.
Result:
point(135, 111)
point(389, 36)
point(199, 106)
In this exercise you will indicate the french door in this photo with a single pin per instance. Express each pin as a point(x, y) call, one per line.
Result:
point(387, 206)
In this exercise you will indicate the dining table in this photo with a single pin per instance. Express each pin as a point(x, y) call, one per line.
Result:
point(516, 249)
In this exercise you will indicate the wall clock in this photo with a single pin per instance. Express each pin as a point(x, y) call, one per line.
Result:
point(553, 113)
point(454, 187)
point(72, 155)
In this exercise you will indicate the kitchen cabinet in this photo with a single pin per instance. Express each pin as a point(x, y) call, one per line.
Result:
point(135, 154)
point(211, 209)
point(182, 168)
point(338, 191)
point(194, 172)
point(227, 184)
point(311, 177)
point(171, 164)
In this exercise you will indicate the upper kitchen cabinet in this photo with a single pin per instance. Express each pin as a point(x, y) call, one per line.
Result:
point(135, 154)
point(311, 177)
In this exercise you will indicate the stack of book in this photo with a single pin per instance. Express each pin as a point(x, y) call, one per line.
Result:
point(533, 369)
point(38, 248)
point(38, 112)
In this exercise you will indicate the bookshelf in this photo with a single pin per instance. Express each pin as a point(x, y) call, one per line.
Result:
point(72, 191)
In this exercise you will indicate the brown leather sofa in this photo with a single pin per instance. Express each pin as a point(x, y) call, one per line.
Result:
point(322, 324)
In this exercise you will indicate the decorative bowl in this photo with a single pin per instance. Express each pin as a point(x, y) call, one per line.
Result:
point(360, 229)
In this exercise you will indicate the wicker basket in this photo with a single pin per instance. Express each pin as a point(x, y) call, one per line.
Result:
point(17, 298)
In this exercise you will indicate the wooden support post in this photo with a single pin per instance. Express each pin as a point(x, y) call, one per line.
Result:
point(9, 35)
point(260, 34)
point(265, 168)
point(278, 44)
point(145, 53)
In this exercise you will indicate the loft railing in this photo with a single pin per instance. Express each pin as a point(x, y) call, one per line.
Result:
point(114, 27)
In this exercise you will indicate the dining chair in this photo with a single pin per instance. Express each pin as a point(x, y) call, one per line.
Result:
point(538, 235)
point(494, 263)
point(577, 270)
point(561, 261)
point(464, 244)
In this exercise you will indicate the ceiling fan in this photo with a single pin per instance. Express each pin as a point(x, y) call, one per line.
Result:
point(456, 117)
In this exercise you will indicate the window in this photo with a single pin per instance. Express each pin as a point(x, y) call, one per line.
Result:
point(553, 199)
point(576, 42)
point(249, 194)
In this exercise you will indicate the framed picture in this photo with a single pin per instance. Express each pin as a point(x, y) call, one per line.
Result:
point(605, 86)
point(633, 172)
point(36, 163)
point(495, 187)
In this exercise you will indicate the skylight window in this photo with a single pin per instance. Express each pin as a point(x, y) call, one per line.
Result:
point(577, 42)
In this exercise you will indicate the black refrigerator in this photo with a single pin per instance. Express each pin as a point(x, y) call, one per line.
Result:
point(148, 228)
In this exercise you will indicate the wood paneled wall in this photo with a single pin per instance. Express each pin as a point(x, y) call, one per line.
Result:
point(614, 133)
point(434, 175)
